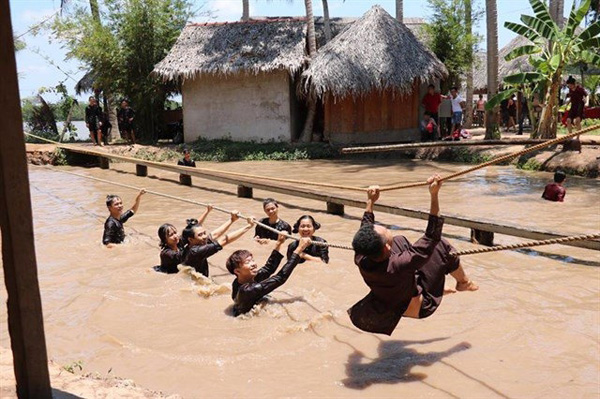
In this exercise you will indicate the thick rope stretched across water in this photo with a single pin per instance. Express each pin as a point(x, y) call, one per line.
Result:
point(526, 244)
point(399, 186)
point(216, 208)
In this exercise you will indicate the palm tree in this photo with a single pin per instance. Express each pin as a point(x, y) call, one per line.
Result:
point(557, 10)
point(491, 16)
point(312, 50)
point(326, 22)
point(468, 28)
point(246, 10)
point(399, 10)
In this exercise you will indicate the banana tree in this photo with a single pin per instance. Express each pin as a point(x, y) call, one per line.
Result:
point(551, 50)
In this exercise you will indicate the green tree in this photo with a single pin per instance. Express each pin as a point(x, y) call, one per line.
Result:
point(450, 39)
point(122, 51)
point(551, 50)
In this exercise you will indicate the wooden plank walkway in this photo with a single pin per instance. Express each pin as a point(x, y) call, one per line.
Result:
point(337, 202)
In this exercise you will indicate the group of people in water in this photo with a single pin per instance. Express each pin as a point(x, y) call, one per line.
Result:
point(405, 279)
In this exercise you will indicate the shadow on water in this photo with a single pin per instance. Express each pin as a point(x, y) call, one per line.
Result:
point(394, 363)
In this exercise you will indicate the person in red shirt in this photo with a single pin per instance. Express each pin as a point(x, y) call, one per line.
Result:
point(431, 102)
point(576, 97)
point(555, 191)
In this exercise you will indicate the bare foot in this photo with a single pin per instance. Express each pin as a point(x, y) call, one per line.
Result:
point(466, 286)
point(448, 291)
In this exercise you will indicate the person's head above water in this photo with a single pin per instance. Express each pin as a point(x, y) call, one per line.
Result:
point(167, 233)
point(114, 203)
point(194, 233)
point(241, 263)
point(306, 225)
point(271, 207)
point(373, 241)
point(559, 176)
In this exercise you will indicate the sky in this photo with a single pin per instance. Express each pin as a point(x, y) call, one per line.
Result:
point(43, 63)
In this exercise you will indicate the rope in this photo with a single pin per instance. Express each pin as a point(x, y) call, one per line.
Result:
point(159, 194)
point(496, 160)
point(527, 244)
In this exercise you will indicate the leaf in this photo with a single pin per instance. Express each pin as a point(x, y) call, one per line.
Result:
point(590, 58)
point(541, 10)
point(547, 30)
point(523, 78)
point(523, 50)
point(498, 98)
point(590, 44)
point(576, 16)
point(555, 61)
point(591, 31)
point(522, 30)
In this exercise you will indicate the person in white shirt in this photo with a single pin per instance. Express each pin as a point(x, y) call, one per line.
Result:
point(458, 104)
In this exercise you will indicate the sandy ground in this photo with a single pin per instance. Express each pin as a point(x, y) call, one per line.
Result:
point(66, 385)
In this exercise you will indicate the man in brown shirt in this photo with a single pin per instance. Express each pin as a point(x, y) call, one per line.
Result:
point(405, 279)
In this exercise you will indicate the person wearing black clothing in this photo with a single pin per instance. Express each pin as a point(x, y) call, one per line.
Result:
point(252, 285)
point(189, 162)
point(125, 116)
point(114, 233)
point(93, 121)
point(271, 208)
point(524, 114)
point(306, 226)
point(171, 254)
point(200, 245)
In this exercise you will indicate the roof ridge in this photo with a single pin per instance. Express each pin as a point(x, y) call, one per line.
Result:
point(249, 22)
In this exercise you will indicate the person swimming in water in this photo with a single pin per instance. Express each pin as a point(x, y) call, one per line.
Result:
point(271, 208)
point(306, 226)
point(406, 280)
point(251, 284)
point(171, 254)
point(199, 244)
point(114, 233)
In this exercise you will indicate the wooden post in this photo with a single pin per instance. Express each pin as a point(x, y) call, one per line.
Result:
point(244, 192)
point(335, 209)
point(482, 237)
point(25, 321)
point(141, 170)
point(186, 180)
point(104, 162)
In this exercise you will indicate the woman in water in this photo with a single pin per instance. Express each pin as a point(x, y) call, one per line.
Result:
point(306, 227)
point(271, 208)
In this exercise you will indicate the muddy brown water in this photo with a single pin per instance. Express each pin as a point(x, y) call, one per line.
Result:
point(532, 330)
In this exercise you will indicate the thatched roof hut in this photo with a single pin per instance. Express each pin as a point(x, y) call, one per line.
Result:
point(374, 53)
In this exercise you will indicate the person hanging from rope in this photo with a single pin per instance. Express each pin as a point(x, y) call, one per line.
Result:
point(171, 254)
point(114, 233)
point(555, 191)
point(200, 245)
point(271, 208)
point(306, 226)
point(405, 279)
point(251, 284)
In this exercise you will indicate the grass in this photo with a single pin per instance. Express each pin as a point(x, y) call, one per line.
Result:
point(562, 130)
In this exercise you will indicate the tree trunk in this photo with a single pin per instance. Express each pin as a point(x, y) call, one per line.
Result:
point(400, 11)
point(491, 125)
point(468, 28)
point(549, 118)
point(557, 11)
point(67, 122)
point(95, 10)
point(111, 111)
point(326, 22)
point(312, 50)
point(246, 10)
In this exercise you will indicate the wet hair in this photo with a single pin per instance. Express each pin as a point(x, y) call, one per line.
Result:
point(186, 151)
point(110, 198)
point(571, 80)
point(268, 201)
point(367, 241)
point(559, 176)
point(188, 232)
point(427, 113)
point(236, 259)
point(92, 98)
point(454, 88)
point(162, 233)
point(431, 87)
point(316, 225)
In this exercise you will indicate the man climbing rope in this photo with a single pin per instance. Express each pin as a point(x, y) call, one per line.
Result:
point(405, 280)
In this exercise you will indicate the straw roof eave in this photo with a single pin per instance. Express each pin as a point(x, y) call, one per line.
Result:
point(375, 53)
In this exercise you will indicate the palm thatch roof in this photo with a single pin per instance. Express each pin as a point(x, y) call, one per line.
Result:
point(480, 71)
point(375, 52)
point(229, 48)
point(519, 64)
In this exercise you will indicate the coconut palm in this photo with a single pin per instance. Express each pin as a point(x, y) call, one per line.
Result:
point(469, 74)
point(326, 23)
point(312, 50)
point(400, 10)
point(557, 10)
point(551, 50)
point(492, 64)
point(246, 10)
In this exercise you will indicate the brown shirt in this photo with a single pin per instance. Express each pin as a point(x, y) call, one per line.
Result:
point(393, 282)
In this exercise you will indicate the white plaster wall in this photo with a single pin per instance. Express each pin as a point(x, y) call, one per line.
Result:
point(241, 107)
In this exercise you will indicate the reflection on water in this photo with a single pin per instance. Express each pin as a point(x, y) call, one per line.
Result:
point(530, 331)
